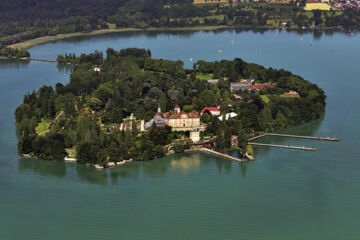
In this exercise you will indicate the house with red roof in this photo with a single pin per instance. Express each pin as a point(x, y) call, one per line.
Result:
point(261, 86)
point(214, 111)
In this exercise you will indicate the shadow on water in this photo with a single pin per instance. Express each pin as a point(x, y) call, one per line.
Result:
point(92, 175)
point(185, 163)
point(42, 167)
point(127, 171)
point(67, 68)
point(13, 63)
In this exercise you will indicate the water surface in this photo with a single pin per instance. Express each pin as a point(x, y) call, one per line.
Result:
point(284, 194)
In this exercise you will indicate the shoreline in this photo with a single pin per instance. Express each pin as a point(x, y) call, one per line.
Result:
point(46, 39)
point(41, 40)
point(74, 160)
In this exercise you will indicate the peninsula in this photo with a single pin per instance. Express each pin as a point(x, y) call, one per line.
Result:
point(130, 106)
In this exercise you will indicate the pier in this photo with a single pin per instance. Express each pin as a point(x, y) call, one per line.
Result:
point(290, 136)
point(304, 137)
point(257, 137)
point(223, 155)
point(283, 146)
point(295, 136)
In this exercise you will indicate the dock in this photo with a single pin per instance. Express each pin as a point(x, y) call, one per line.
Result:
point(257, 137)
point(289, 136)
point(283, 146)
point(304, 137)
point(295, 136)
point(224, 155)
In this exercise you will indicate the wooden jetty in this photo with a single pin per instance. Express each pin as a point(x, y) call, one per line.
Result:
point(257, 137)
point(40, 59)
point(283, 146)
point(223, 155)
point(304, 137)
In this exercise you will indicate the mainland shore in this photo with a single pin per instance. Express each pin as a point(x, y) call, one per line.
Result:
point(41, 40)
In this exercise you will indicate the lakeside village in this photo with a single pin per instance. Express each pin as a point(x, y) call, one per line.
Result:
point(338, 5)
point(130, 106)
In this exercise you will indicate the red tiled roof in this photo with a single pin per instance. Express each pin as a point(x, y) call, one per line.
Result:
point(261, 86)
point(210, 109)
point(192, 114)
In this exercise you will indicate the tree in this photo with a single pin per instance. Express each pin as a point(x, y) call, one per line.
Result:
point(162, 101)
point(114, 153)
point(160, 135)
point(242, 141)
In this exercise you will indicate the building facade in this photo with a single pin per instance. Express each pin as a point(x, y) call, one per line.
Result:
point(129, 123)
point(182, 121)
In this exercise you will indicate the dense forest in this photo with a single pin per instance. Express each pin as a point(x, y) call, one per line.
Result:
point(27, 19)
point(103, 91)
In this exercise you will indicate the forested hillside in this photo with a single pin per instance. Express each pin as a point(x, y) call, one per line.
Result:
point(28, 19)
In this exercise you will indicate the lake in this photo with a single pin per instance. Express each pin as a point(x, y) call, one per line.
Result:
point(284, 194)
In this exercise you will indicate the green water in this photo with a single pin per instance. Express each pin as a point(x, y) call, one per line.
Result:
point(284, 194)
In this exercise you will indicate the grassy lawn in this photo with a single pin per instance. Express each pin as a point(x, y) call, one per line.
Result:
point(265, 99)
point(249, 149)
point(71, 152)
point(315, 6)
point(42, 127)
point(218, 17)
point(111, 25)
point(202, 76)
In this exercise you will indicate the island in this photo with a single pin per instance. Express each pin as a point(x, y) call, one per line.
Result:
point(25, 23)
point(129, 106)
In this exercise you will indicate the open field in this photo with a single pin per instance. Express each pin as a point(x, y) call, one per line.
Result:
point(204, 76)
point(42, 127)
point(317, 6)
point(218, 17)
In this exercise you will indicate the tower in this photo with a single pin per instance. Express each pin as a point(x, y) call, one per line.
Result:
point(177, 109)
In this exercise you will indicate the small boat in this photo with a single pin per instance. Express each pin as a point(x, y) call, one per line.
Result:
point(220, 51)
point(232, 41)
point(190, 59)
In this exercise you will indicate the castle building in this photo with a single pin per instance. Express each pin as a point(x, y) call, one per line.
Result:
point(182, 121)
